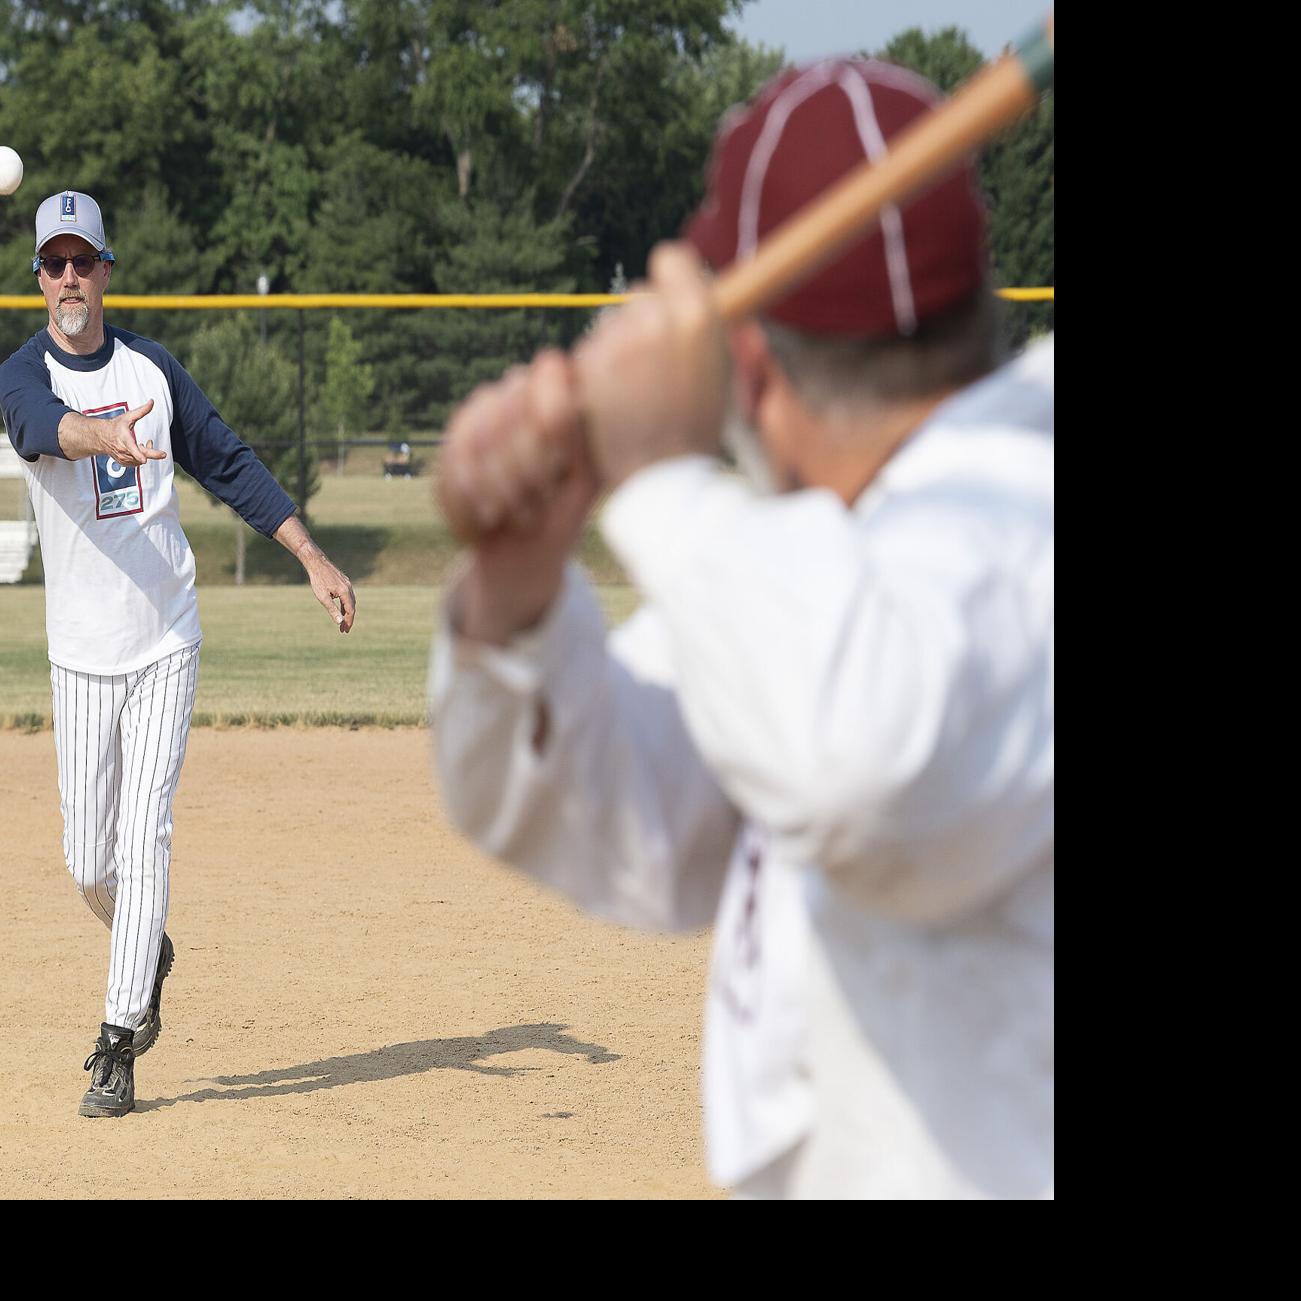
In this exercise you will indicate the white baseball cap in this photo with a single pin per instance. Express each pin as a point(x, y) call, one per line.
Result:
point(71, 213)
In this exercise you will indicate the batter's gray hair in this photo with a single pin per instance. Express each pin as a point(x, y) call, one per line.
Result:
point(948, 351)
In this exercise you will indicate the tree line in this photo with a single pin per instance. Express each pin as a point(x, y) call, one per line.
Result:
point(402, 146)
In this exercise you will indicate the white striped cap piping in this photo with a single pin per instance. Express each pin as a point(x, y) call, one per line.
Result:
point(857, 90)
point(756, 169)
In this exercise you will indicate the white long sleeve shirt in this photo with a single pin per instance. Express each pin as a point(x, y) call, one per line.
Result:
point(829, 731)
point(119, 572)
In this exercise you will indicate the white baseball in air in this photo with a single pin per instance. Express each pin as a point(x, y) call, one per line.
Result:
point(11, 170)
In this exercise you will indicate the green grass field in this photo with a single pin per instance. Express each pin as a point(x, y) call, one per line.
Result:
point(12, 492)
point(271, 657)
point(381, 532)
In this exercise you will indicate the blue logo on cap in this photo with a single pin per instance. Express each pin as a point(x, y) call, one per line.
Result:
point(68, 209)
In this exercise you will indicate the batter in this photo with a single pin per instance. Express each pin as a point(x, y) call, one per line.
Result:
point(829, 728)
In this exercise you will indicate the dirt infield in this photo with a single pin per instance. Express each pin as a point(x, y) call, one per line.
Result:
point(362, 1005)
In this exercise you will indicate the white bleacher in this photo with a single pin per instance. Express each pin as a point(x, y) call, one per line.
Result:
point(17, 536)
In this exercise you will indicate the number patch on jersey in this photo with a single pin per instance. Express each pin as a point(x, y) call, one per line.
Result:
point(118, 490)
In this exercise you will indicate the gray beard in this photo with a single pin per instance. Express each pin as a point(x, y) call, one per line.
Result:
point(743, 443)
point(72, 318)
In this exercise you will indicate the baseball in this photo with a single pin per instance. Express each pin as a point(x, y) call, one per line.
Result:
point(11, 170)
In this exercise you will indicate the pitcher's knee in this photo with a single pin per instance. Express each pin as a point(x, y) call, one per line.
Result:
point(91, 867)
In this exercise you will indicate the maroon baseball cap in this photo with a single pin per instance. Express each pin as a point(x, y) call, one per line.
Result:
point(803, 132)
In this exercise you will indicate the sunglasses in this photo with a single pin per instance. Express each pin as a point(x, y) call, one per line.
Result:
point(83, 264)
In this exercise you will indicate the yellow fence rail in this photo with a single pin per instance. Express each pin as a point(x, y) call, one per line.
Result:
point(301, 302)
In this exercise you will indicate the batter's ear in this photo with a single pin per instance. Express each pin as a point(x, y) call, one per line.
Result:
point(752, 363)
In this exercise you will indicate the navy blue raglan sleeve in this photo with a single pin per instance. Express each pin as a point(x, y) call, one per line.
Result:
point(31, 411)
point(206, 447)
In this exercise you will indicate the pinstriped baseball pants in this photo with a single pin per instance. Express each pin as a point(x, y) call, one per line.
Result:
point(121, 742)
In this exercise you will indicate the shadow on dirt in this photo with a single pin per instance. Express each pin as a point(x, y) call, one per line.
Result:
point(392, 1061)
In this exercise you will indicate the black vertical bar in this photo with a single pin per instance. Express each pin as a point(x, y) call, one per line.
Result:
point(302, 422)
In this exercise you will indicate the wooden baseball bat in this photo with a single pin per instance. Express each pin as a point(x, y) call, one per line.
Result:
point(993, 99)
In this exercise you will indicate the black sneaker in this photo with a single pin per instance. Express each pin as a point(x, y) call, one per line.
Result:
point(151, 1027)
point(112, 1089)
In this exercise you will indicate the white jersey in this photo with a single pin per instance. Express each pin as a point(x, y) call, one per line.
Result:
point(830, 732)
point(119, 572)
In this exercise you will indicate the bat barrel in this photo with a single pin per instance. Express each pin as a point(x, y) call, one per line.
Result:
point(993, 99)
